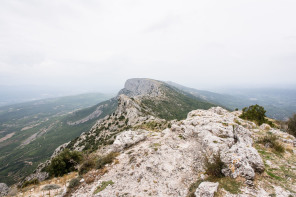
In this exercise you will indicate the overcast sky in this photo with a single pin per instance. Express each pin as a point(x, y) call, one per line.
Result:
point(97, 45)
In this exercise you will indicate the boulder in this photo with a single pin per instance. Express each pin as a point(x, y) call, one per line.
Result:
point(128, 138)
point(218, 134)
point(206, 189)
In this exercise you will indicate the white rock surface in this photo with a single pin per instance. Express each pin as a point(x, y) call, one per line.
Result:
point(166, 163)
point(128, 138)
point(140, 86)
point(219, 134)
point(206, 189)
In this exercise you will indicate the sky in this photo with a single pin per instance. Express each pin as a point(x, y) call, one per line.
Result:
point(96, 45)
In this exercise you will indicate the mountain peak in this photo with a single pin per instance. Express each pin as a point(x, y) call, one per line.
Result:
point(142, 87)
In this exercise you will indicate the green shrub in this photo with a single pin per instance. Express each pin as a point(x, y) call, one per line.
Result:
point(74, 182)
point(255, 113)
point(103, 185)
point(87, 165)
point(292, 125)
point(121, 118)
point(271, 140)
point(103, 160)
point(214, 169)
point(64, 163)
point(126, 121)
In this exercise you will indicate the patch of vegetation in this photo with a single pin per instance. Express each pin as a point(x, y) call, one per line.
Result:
point(255, 113)
point(181, 137)
point(87, 165)
point(121, 118)
point(271, 141)
point(237, 121)
point(51, 187)
point(175, 105)
point(103, 185)
point(214, 168)
point(153, 126)
point(214, 172)
point(273, 176)
point(229, 184)
point(31, 182)
point(74, 182)
point(64, 163)
point(103, 160)
point(225, 124)
point(155, 146)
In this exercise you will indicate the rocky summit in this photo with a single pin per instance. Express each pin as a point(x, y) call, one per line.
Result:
point(135, 151)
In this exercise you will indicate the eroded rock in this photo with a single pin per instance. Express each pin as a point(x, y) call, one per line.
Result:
point(206, 189)
point(128, 138)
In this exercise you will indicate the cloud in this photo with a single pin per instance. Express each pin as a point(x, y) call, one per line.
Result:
point(99, 44)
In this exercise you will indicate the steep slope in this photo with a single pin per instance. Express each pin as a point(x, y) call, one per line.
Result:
point(39, 127)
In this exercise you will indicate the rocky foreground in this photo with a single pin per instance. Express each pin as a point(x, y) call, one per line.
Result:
point(173, 161)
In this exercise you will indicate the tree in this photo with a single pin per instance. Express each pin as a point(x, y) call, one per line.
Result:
point(292, 125)
point(255, 113)
point(64, 163)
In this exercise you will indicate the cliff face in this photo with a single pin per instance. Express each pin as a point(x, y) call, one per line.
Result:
point(142, 87)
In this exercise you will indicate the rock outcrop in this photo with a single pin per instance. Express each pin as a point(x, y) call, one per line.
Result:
point(140, 87)
point(206, 189)
point(128, 138)
point(218, 134)
point(166, 163)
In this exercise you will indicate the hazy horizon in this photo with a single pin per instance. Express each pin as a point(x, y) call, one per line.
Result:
point(94, 46)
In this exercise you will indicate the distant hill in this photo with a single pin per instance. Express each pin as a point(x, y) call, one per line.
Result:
point(30, 132)
point(279, 103)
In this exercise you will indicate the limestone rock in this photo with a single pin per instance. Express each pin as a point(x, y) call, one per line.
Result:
point(139, 86)
point(218, 134)
point(128, 138)
point(206, 189)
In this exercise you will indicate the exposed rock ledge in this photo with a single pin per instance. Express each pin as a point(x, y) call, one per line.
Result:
point(166, 163)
